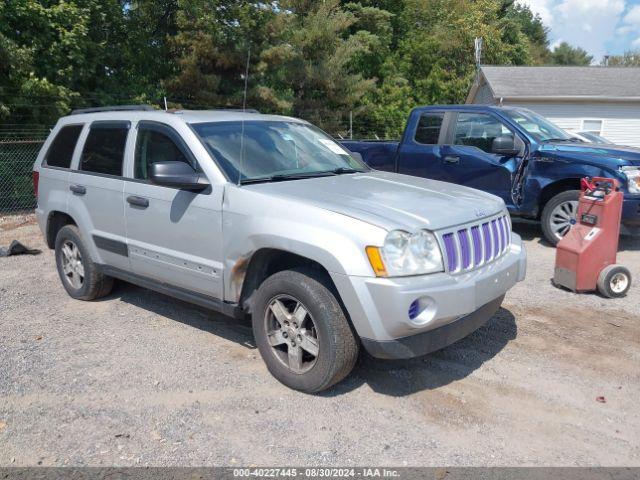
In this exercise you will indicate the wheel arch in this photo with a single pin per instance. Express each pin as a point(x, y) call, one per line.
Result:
point(252, 271)
point(554, 188)
point(55, 221)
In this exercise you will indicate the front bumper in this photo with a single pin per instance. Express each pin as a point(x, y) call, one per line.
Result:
point(630, 216)
point(449, 306)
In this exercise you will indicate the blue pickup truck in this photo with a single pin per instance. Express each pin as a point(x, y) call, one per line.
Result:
point(532, 164)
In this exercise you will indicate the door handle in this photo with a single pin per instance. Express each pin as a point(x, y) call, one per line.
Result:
point(78, 189)
point(136, 201)
point(451, 159)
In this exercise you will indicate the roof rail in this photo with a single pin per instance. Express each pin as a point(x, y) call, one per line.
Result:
point(242, 110)
point(114, 108)
point(239, 110)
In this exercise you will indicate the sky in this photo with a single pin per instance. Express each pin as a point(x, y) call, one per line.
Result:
point(599, 26)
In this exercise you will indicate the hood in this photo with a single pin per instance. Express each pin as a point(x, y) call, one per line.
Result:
point(612, 156)
point(390, 200)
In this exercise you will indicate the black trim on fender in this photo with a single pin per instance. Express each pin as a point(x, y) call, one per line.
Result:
point(113, 246)
point(206, 301)
point(432, 340)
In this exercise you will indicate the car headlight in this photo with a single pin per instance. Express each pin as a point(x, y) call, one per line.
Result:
point(633, 178)
point(405, 253)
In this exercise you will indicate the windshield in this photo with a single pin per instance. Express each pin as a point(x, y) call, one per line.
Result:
point(594, 138)
point(538, 127)
point(279, 149)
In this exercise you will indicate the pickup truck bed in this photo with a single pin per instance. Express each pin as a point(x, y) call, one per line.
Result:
point(379, 154)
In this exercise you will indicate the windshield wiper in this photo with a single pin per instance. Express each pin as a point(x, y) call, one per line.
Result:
point(283, 177)
point(341, 170)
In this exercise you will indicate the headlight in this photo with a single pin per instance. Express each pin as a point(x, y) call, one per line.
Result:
point(633, 178)
point(405, 253)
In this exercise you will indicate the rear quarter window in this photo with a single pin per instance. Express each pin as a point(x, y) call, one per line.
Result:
point(428, 130)
point(61, 150)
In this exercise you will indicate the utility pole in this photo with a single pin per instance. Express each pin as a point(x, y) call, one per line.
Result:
point(478, 51)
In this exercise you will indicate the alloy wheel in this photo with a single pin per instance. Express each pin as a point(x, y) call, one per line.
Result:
point(563, 216)
point(72, 265)
point(292, 333)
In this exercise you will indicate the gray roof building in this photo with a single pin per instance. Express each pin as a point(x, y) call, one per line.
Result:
point(609, 84)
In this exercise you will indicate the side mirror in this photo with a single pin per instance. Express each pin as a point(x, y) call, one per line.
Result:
point(505, 145)
point(177, 175)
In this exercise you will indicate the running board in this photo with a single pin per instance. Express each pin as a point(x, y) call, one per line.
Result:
point(211, 303)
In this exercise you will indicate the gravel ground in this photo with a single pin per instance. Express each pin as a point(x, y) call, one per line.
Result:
point(141, 379)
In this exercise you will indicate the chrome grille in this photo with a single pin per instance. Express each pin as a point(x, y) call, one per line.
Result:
point(473, 245)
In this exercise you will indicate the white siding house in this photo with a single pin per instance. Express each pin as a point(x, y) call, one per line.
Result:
point(603, 100)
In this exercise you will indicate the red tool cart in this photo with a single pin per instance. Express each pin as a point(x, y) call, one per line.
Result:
point(586, 256)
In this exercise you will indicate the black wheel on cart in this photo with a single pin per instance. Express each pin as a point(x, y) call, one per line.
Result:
point(614, 281)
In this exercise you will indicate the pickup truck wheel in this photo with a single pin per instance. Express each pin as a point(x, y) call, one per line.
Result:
point(302, 332)
point(79, 275)
point(559, 214)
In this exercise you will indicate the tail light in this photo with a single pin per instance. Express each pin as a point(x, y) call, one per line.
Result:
point(36, 181)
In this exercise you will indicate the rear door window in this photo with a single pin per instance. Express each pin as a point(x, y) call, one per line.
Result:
point(61, 150)
point(428, 130)
point(103, 150)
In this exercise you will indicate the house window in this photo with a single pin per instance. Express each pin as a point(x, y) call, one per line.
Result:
point(592, 126)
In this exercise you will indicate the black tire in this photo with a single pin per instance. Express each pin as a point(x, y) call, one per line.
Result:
point(546, 218)
point(338, 345)
point(94, 283)
point(609, 281)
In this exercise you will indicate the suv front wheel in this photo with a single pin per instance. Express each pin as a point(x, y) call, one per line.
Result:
point(79, 275)
point(302, 332)
point(559, 215)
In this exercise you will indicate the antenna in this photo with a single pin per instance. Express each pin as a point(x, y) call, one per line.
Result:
point(246, 80)
point(165, 104)
point(244, 108)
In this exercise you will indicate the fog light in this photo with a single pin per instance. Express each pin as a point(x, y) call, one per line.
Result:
point(421, 311)
point(414, 309)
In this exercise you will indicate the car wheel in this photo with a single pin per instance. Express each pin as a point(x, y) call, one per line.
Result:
point(80, 277)
point(302, 332)
point(559, 214)
point(614, 281)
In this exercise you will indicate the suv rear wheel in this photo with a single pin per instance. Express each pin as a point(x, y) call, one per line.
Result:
point(79, 275)
point(559, 214)
point(302, 332)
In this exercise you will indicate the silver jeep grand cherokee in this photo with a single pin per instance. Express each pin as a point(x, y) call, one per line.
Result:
point(267, 216)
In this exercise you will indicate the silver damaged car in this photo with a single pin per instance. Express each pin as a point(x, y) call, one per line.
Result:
point(268, 217)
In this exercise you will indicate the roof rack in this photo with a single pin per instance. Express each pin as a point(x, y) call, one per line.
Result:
point(239, 110)
point(114, 108)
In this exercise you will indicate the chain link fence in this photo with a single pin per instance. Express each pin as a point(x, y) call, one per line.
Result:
point(18, 152)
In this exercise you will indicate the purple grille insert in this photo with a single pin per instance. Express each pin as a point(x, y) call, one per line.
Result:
point(505, 236)
point(496, 238)
point(465, 248)
point(487, 242)
point(477, 245)
point(450, 249)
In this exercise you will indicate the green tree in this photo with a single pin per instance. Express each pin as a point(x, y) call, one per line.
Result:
point(314, 68)
point(531, 26)
point(211, 48)
point(565, 54)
